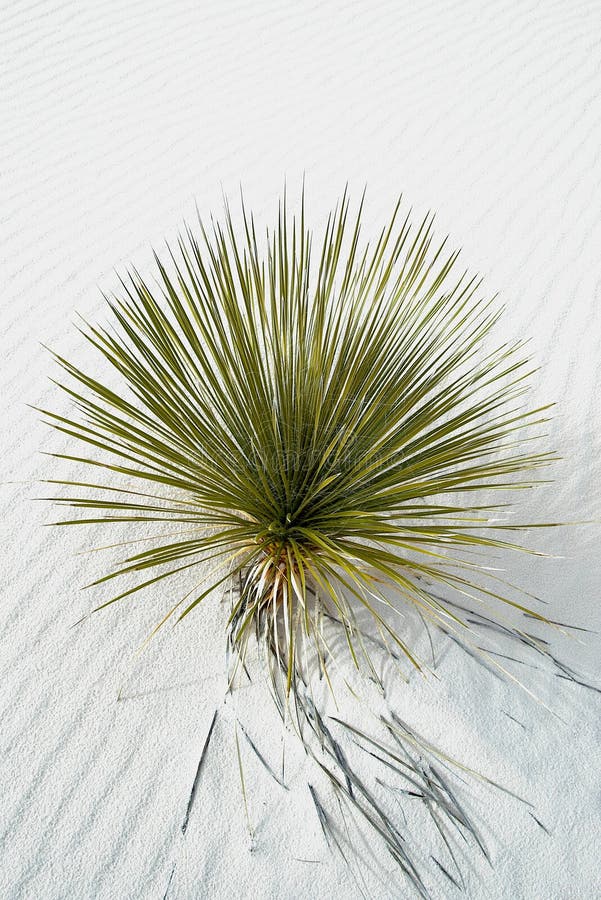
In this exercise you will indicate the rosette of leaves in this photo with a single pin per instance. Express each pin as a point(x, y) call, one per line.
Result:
point(324, 423)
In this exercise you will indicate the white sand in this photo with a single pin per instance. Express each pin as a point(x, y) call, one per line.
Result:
point(115, 117)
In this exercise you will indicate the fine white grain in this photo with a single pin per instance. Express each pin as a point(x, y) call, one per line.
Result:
point(116, 119)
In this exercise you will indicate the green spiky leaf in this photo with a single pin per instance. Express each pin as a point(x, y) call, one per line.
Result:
point(322, 422)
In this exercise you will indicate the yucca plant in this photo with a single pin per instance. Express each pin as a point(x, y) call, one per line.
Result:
point(325, 426)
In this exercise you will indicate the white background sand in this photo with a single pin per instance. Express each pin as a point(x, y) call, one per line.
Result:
point(115, 118)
